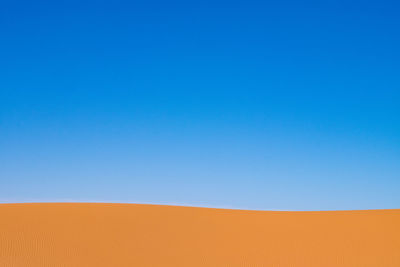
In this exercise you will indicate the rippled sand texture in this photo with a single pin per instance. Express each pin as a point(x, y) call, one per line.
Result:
point(115, 235)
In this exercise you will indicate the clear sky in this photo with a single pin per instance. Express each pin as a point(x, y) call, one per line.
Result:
point(289, 105)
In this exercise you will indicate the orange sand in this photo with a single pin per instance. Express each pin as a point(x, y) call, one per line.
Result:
point(115, 235)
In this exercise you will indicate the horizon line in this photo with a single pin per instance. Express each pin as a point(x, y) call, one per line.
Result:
point(187, 206)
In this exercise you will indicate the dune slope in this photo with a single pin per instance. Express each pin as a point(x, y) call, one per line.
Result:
point(76, 234)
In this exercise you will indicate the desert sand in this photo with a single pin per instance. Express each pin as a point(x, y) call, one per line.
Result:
point(92, 234)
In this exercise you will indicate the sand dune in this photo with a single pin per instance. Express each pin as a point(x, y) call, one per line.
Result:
point(62, 234)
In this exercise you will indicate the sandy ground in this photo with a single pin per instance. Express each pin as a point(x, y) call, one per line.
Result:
point(149, 235)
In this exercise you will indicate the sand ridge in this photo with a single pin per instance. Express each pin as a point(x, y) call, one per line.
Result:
point(98, 234)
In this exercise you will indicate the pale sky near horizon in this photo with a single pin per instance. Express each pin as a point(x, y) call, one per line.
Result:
point(284, 105)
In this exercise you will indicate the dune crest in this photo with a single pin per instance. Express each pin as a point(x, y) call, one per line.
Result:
point(95, 234)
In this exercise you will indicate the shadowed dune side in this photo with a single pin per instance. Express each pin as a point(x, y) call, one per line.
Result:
point(89, 234)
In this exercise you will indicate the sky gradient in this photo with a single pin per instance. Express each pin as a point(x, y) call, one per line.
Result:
point(288, 105)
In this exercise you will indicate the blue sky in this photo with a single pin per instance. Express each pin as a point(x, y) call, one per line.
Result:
point(290, 105)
